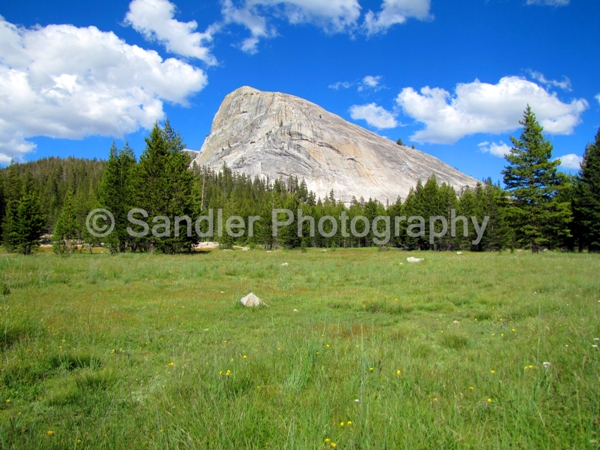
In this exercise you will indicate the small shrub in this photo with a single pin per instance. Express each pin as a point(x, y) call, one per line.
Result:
point(454, 341)
point(4, 289)
point(72, 361)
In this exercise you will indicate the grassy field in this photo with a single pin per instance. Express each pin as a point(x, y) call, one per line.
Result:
point(143, 351)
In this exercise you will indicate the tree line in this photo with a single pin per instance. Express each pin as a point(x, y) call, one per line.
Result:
point(538, 207)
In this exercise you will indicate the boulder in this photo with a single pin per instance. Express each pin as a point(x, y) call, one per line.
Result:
point(252, 300)
point(410, 259)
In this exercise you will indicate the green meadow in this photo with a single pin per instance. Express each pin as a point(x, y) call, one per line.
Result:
point(136, 351)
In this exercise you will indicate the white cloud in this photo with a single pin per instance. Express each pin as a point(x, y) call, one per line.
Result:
point(343, 85)
point(376, 116)
point(368, 82)
point(499, 150)
point(565, 84)
point(371, 81)
point(256, 24)
point(548, 2)
point(396, 12)
point(333, 16)
point(154, 19)
point(571, 161)
point(486, 108)
point(66, 82)
point(597, 97)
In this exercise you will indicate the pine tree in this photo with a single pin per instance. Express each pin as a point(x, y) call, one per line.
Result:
point(12, 195)
point(2, 204)
point(165, 186)
point(10, 234)
point(532, 180)
point(586, 201)
point(65, 232)
point(491, 203)
point(29, 225)
point(116, 195)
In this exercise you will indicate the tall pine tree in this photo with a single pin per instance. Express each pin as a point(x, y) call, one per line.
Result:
point(116, 195)
point(65, 232)
point(165, 186)
point(538, 217)
point(586, 201)
point(2, 203)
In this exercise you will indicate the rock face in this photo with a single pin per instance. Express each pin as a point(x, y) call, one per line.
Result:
point(275, 135)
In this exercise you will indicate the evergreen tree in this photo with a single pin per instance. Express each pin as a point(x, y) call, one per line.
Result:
point(115, 194)
point(586, 201)
point(65, 232)
point(12, 195)
point(2, 204)
point(28, 225)
point(164, 186)
point(10, 234)
point(492, 203)
point(531, 178)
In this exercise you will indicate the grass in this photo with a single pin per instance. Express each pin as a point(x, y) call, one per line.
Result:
point(146, 351)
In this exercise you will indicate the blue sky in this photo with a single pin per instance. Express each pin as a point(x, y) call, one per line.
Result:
point(452, 78)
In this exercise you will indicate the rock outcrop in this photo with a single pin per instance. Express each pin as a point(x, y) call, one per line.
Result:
point(275, 135)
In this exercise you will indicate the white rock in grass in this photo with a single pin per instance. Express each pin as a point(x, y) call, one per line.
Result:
point(284, 265)
point(410, 259)
point(459, 253)
point(295, 310)
point(252, 300)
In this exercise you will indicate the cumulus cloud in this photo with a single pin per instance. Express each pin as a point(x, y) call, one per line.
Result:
point(66, 82)
point(486, 108)
point(374, 115)
point(548, 2)
point(154, 19)
point(396, 12)
point(565, 84)
point(333, 16)
point(499, 150)
point(249, 18)
point(571, 161)
point(370, 82)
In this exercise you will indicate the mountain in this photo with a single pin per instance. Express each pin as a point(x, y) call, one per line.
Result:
point(275, 135)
